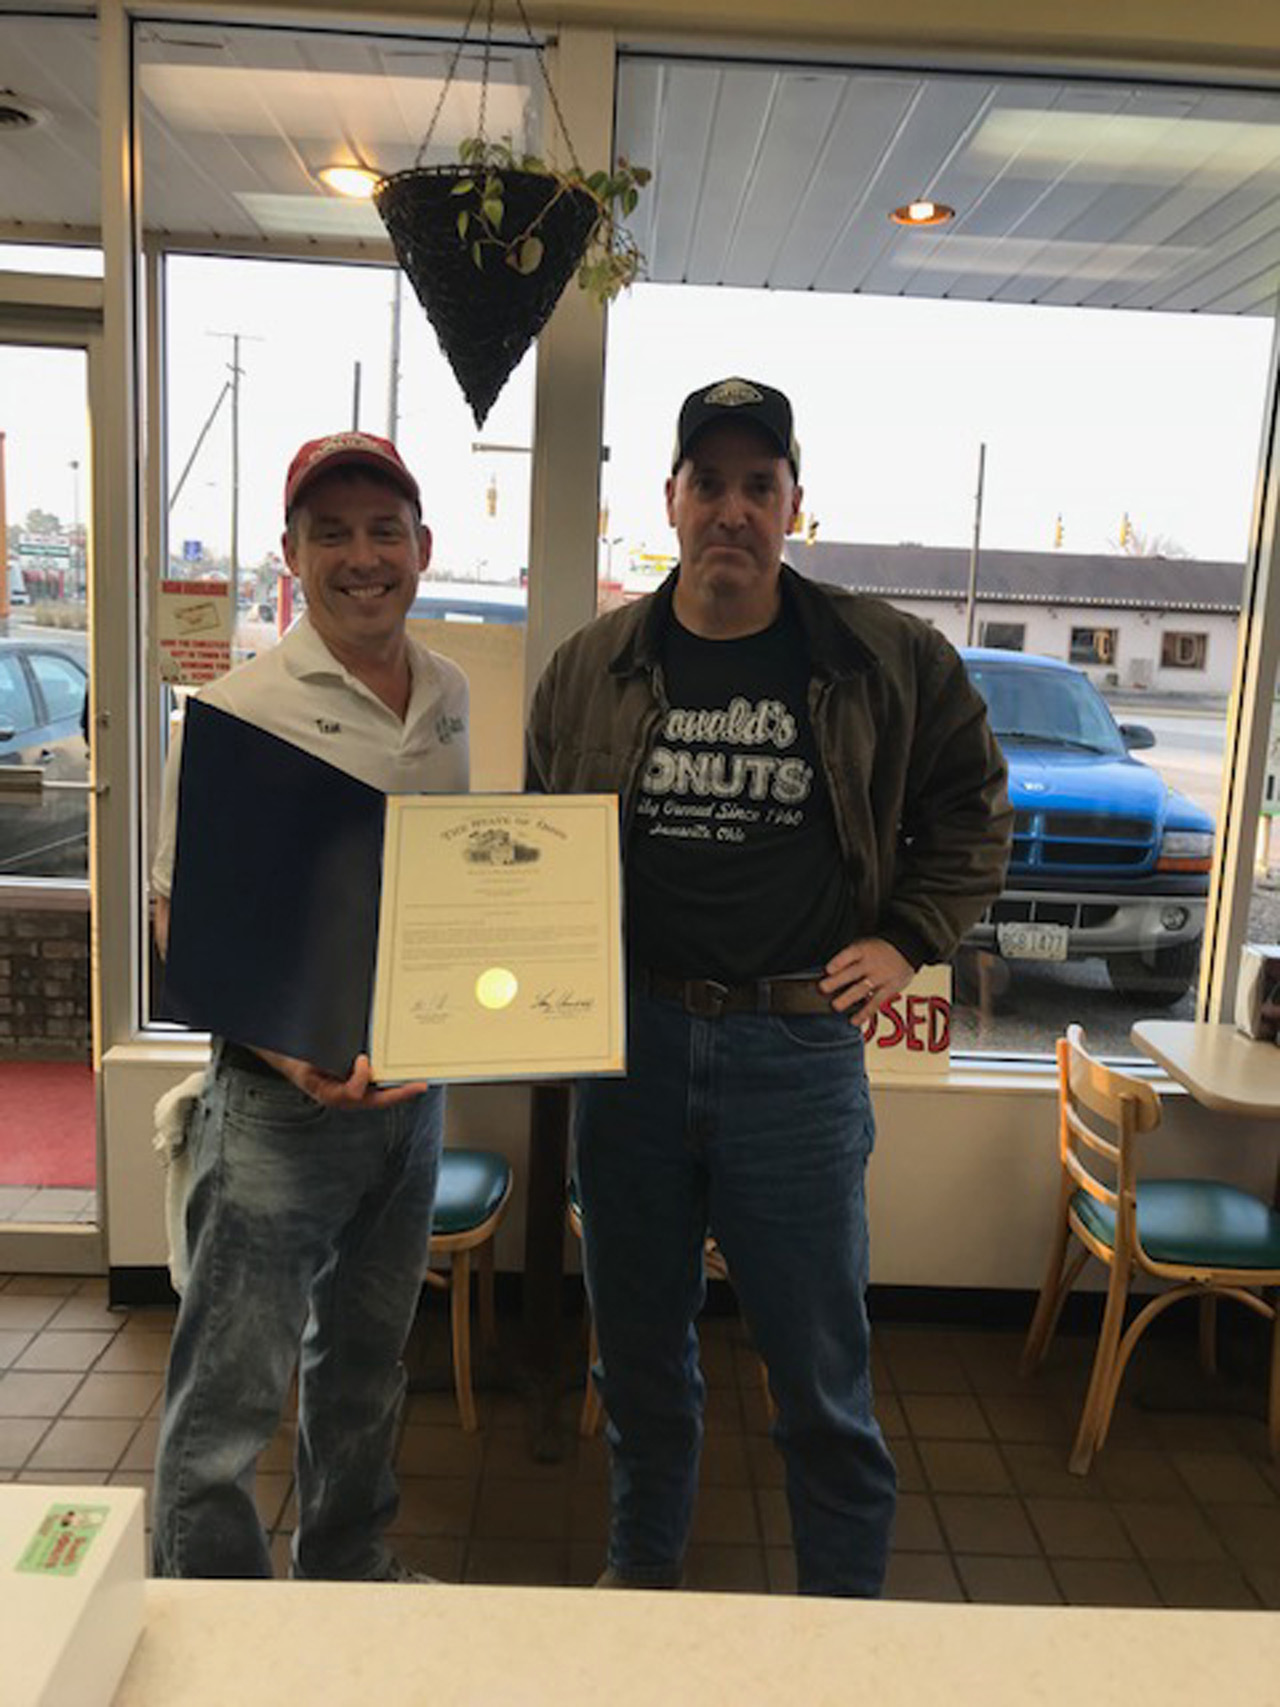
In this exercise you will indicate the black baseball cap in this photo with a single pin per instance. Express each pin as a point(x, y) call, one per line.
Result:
point(738, 400)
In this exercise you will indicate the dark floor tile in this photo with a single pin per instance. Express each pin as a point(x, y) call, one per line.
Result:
point(436, 1449)
point(1206, 1582)
point(1251, 1534)
point(1007, 1582)
point(140, 1454)
point(911, 1476)
point(1265, 1581)
point(532, 1562)
point(922, 1576)
point(945, 1416)
point(775, 1517)
point(780, 1568)
point(435, 1505)
point(278, 1453)
point(512, 1510)
point(923, 1363)
point(1042, 1470)
point(1079, 1529)
point(1161, 1530)
point(1019, 1418)
point(19, 1437)
point(890, 1415)
point(992, 1363)
point(82, 1443)
point(36, 1394)
point(1104, 1582)
point(19, 1314)
point(1126, 1474)
point(716, 1568)
point(978, 1524)
point(726, 1517)
point(588, 1511)
point(586, 1561)
point(915, 1525)
point(725, 1462)
point(766, 1465)
point(1225, 1478)
point(66, 1351)
point(964, 1467)
point(114, 1396)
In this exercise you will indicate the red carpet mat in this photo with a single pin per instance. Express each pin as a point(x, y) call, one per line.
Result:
point(47, 1124)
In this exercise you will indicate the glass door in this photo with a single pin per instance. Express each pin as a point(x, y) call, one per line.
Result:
point(48, 1122)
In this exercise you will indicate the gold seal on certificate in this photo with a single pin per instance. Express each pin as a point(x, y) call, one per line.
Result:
point(499, 939)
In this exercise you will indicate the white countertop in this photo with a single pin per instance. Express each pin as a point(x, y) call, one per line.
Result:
point(223, 1644)
point(1220, 1066)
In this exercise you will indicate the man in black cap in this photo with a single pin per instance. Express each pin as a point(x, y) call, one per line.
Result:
point(813, 806)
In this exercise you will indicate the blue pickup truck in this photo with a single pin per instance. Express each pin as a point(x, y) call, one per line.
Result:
point(1107, 859)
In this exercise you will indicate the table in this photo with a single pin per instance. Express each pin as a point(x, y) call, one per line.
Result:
point(1220, 1066)
point(256, 1644)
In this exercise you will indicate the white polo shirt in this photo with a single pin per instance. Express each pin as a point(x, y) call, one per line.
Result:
point(299, 691)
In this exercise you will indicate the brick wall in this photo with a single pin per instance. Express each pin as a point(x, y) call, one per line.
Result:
point(44, 985)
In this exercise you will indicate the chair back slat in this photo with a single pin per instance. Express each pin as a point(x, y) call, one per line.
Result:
point(1093, 1095)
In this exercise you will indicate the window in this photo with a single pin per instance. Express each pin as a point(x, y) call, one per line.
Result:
point(1184, 651)
point(1093, 646)
point(1005, 636)
point(62, 684)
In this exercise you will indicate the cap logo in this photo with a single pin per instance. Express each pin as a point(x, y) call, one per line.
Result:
point(344, 441)
point(730, 393)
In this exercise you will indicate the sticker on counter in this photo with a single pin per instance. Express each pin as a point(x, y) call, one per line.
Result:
point(60, 1544)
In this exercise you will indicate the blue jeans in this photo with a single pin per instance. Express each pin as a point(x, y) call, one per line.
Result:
point(759, 1128)
point(308, 1231)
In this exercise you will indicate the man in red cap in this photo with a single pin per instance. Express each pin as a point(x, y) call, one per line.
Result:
point(308, 1211)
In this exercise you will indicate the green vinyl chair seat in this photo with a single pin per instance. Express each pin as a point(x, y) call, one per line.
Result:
point(472, 1184)
point(1194, 1221)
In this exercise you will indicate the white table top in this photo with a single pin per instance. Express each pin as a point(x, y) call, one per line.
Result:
point(222, 1644)
point(1220, 1066)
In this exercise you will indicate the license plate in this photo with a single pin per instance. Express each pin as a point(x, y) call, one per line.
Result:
point(1032, 942)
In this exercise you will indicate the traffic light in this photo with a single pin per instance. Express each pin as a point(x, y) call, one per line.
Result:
point(811, 530)
point(1126, 531)
point(491, 496)
point(1057, 534)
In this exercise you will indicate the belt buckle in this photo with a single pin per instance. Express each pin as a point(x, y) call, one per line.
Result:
point(705, 998)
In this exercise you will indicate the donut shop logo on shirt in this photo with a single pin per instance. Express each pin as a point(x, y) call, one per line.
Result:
point(729, 772)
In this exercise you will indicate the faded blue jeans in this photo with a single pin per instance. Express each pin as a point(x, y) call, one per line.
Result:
point(758, 1127)
point(308, 1231)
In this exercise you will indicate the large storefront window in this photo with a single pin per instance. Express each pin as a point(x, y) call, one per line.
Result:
point(1115, 513)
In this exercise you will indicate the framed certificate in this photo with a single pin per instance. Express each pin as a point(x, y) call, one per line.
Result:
point(499, 938)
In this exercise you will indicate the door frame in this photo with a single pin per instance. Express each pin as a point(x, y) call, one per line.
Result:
point(55, 312)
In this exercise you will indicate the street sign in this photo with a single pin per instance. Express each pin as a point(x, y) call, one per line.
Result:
point(192, 550)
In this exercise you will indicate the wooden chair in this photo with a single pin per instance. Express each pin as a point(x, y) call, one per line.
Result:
point(1203, 1238)
point(715, 1268)
point(471, 1199)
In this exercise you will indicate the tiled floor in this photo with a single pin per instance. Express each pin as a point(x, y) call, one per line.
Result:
point(31, 1203)
point(1180, 1509)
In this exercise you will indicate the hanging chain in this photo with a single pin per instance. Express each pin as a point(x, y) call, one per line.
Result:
point(484, 80)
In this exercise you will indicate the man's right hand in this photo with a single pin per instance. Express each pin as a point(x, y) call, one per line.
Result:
point(357, 1091)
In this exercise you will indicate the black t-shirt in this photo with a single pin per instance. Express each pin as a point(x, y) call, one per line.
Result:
point(733, 863)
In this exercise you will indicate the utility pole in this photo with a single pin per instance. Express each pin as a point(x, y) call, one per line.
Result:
point(973, 554)
point(77, 552)
point(355, 400)
point(236, 370)
point(393, 377)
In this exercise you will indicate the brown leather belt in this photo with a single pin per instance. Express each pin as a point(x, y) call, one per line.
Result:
point(707, 999)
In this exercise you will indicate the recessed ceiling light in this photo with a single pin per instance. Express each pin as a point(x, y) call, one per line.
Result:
point(922, 213)
point(354, 181)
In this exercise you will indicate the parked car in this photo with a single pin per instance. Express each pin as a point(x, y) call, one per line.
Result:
point(1107, 859)
point(42, 700)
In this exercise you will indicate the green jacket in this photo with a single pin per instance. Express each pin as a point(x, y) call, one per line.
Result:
point(916, 778)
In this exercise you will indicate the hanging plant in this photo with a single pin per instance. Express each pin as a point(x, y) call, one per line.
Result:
point(490, 244)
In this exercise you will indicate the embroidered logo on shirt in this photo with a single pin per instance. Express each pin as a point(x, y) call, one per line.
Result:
point(448, 726)
point(327, 726)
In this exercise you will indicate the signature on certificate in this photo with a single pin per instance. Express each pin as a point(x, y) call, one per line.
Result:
point(431, 1010)
point(562, 1004)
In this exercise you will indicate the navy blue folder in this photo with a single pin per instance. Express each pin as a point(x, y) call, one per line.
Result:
point(274, 912)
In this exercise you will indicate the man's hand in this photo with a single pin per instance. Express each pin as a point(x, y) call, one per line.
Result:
point(862, 976)
point(356, 1092)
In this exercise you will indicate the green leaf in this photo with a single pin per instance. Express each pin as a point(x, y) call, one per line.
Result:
point(629, 201)
point(464, 188)
point(464, 220)
point(476, 255)
point(530, 255)
point(597, 182)
point(491, 210)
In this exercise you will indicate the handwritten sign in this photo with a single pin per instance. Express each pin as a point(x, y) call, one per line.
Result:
point(911, 1034)
point(193, 631)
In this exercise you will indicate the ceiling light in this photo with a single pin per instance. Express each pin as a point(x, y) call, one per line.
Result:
point(922, 213)
point(357, 182)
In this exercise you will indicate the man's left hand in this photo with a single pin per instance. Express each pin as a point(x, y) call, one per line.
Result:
point(862, 976)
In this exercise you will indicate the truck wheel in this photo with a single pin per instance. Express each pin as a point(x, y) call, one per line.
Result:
point(1160, 977)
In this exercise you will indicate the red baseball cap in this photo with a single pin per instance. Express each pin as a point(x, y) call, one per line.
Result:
point(348, 450)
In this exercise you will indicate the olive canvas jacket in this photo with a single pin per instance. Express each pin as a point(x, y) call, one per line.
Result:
point(916, 778)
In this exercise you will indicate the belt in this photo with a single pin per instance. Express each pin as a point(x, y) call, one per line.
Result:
point(244, 1060)
point(707, 999)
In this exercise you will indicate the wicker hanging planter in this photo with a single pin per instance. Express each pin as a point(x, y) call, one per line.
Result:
point(490, 244)
point(485, 310)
